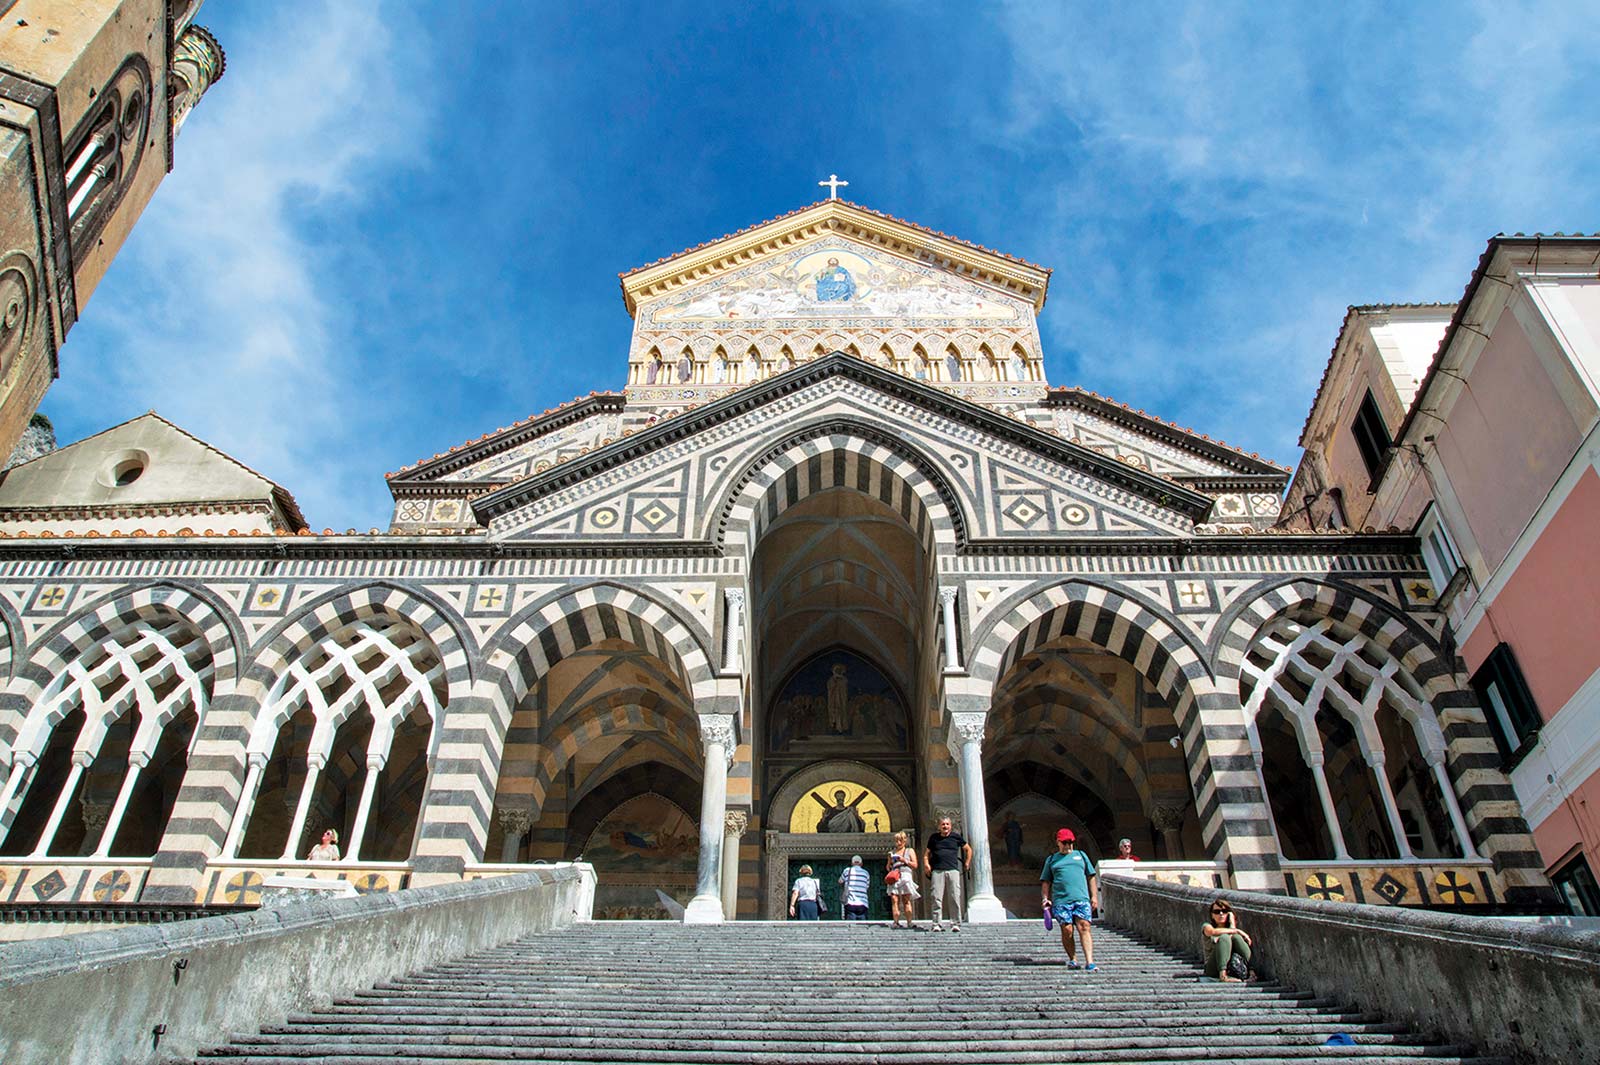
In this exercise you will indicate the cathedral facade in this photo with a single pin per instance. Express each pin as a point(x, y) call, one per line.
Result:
point(836, 561)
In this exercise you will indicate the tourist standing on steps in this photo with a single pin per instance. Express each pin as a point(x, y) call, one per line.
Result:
point(1223, 940)
point(903, 889)
point(805, 900)
point(327, 850)
point(855, 882)
point(1068, 886)
point(947, 855)
point(1125, 850)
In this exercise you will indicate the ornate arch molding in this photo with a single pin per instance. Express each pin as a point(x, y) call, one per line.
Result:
point(337, 610)
point(12, 641)
point(799, 784)
point(817, 457)
point(1402, 638)
point(1125, 626)
point(102, 622)
point(545, 632)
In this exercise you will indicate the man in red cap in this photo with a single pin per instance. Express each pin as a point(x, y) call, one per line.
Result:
point(1069, 887)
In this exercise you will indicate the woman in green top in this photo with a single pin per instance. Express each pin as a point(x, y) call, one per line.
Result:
point(1222, 939)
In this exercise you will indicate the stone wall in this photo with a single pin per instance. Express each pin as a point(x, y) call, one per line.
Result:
point(203, 979)
point(1524, 989)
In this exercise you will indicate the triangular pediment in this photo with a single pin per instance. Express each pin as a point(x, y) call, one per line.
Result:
point(902, 241)
point(1005, 479)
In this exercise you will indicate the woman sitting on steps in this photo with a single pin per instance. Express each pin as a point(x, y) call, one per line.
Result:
point(1223, 941)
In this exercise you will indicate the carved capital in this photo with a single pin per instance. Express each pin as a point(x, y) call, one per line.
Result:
point(717, 729)
point(95, 814)
point(735, 598)
point(947, 596)
point(257, 759)
point(1167, 818)
point(515, 822)
point(734, 822)
point(968, 727)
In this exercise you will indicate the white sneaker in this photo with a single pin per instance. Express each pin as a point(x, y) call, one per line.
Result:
point(955, 928)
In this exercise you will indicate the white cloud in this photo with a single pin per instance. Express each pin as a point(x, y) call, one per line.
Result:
point(1236, 174)
point(221, 311)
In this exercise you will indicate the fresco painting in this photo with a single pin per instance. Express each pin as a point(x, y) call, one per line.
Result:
point(838, 702)
point(644, 845)
point(837, 279)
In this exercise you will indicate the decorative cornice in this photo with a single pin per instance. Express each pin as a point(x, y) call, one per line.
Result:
point(489, 444)
point(1150, 486)
point(1168, 432)
point(403, 547)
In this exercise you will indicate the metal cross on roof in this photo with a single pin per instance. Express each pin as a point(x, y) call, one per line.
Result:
point(833, 185)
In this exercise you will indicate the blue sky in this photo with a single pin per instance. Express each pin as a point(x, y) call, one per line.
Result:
point(393, 227)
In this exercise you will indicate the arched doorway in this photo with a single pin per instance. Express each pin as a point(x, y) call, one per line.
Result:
point(841, 653)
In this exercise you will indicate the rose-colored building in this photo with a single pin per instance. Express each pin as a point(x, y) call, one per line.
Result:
point(1475, 425)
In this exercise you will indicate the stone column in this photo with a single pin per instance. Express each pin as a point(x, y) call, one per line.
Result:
point(734, 823)
point(515, 824)
point(1457, 820)
point(302, 809)
point(376, 760)
point(1329, 813)
point(733, 646)
point(1391, 808)
point(257, 762)
point(1168, 820)
point(983, 906)
point(717, 740)
point(111, 820)
point(80, 762)
point(21, 769)
point(947, 605)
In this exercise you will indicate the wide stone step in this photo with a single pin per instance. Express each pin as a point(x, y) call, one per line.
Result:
point(827, 995)
point(1222, 1054)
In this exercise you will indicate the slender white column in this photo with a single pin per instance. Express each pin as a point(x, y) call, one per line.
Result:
point(1390, 806)
point(136, 762)
point(80, 761)
point(1329, 814)
point(314, 764)
point(369, 787)
point(247, 803)
point(1457, 819)
point(21, 771)
point(733, 650)
point(947, 604)
point(716, 736)
point(983, 906)
point(733, 825)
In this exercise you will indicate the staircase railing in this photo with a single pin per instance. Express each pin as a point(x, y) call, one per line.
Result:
point(1520, 988)
point(158, 993)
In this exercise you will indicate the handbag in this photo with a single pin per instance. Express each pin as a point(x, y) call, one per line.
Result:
point(892, 876)
point(1238, 968)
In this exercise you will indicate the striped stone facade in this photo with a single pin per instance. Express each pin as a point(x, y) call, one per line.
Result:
point(606, 604)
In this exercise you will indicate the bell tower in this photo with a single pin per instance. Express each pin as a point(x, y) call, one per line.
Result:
point(91, 96)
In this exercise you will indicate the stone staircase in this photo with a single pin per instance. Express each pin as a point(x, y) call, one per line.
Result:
point(818, 994)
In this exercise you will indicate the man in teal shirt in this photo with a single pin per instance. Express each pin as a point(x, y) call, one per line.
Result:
point(1069, 887)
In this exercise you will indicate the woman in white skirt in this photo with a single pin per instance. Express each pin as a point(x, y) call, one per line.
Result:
point(903, 893)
